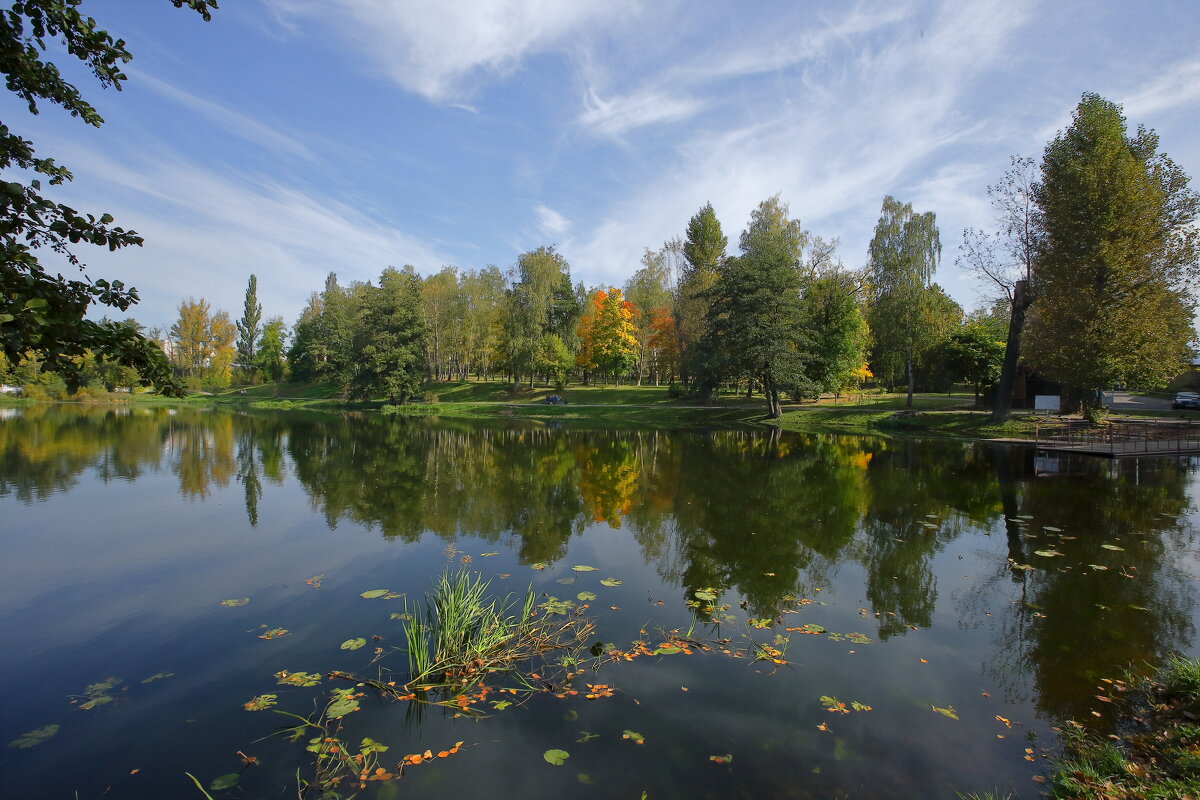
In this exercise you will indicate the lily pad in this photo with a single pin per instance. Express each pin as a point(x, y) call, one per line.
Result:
point(1047, 553)
point(566, 581)
point(261, 703)
point(235, 602)
point(583, 568)
point(273, 633)
point(224, 782)
point(1112, 547)
point(34, 737)
point(286, 678)
point(634, 737)
point(948, 711)
point(610, 582)
point(586, 596)
point(344, 704)
point(371, 594)
point(539, 565)
point(705, 594)
point(556, 757)
point(353, 644)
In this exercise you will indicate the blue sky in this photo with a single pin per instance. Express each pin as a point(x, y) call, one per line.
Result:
point(290, 138)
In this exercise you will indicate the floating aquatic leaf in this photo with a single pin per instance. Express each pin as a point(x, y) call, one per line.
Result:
point(1047, 553)
point(948, 711)
point(539, 565)
point(371, 594)
point(34, 737)
point(343, 704)
point(583, 568)
point(286, 678)
point(500, 705)
point(814, 628)
point(571, 715)
point(584, 778)
point(705, 594)
point(315, 580)
point(765, 622)
point(399, 615)
point(610, 582)
point(667, 650)
point(393, 595)
point(556, 757)
point(1023, 566)
point(857, 706)
point(634, 737)
point(1111, 547)
point(235, 602)
point(566, 581)
point(96, 701)
point(555, 606)
point(353, 644)
point(158, 677)
point(1100, 567)
point(930, 525)
point(224, 782)
point(261, 703)
point(1138, 608)
point(725, 759)
point(273, 633)
point(1051, 528)
point(1024, 516)
point(587, 737)
point(586, 596)
point(489, 555)
point(859, 638)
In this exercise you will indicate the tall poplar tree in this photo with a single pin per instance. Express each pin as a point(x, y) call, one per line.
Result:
point(1118, 248)
point(704, 253)
point(248, 329)
point(902, 257)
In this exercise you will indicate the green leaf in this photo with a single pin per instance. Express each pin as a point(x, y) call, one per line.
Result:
point(583, 568)
point(539, 565)
point(1047, 553)
point(610, 582)
point(489, 555)
point(373, 593)
point(369, 745)
point(34, 737)
point(500, 705)
point(234, 603)
point(633, 736)
point(285, 678)
point(353, 644)
point(261, 703)
point(1111, 547)
point(556, 757)
point(158, 677)
point(586, 596)
point(341, 707)
point(812, 627)
point(705, 594)
point(224, 782)
point(948, 711)
point(666, 651)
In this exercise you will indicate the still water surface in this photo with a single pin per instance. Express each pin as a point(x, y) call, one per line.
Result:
point(121, 531)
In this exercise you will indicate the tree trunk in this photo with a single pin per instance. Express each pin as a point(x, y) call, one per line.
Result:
point(909, 369)
point(1012, 350)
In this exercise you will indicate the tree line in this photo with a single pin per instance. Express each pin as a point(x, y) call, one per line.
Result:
point(1090, 271)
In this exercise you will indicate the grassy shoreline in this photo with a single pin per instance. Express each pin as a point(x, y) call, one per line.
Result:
point(945, 416)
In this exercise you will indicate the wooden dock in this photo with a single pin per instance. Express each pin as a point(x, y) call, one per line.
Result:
point(1119, 439)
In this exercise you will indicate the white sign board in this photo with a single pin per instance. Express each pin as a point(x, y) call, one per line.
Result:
point(1045, 402)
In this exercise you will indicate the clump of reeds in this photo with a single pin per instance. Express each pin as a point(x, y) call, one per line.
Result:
point(461, 634)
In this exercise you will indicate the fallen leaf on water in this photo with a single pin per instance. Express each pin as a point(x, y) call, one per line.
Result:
point(371, 594)
point(923, 661)
point(235, 602)
point(822, 727)
point(1007, 722)
point(273, 633)
point(610, 582)
point(948, 711)
point(583, 568)
point(1111, 547)
point(725, 759)
point(489, 555)
point(1046, 553)
point(634, 737)
point(538, 565)
point(261, 703)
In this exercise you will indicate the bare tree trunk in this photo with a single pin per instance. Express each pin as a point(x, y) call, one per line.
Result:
point(909, 369)
point(1012, 350)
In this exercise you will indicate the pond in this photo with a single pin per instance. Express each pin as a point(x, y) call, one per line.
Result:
point(802, 616)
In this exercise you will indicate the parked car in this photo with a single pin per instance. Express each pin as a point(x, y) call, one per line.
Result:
point(1186, 400)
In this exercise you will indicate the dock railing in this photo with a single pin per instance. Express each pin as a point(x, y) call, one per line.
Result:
point(1119, 438)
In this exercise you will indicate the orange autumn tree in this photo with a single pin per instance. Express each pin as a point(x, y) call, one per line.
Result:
point(606, 334)
point(664, 344)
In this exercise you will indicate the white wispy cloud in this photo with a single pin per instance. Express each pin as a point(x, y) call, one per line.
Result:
point(550, 222)
point(250, 128)
point(207, 230)
point(1178, 86)
point(624, 113)
point(443, 50)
